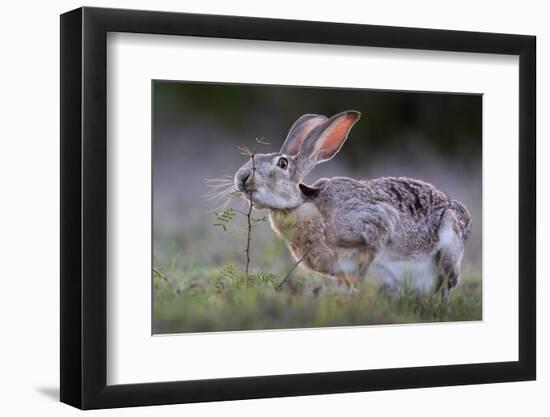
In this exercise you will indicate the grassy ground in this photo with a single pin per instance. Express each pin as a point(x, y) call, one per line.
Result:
point(199, 285)
point(198, 298)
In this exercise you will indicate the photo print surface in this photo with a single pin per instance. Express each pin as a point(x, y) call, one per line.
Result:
point(282, 207)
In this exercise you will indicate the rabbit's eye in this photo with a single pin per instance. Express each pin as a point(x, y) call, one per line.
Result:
point(282, 163)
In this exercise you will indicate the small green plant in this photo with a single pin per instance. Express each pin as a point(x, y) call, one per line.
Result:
point(225, 217)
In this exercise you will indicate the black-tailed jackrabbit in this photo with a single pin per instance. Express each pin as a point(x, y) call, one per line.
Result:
point(394, 228)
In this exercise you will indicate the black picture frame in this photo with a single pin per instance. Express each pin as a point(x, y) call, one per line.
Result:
point(84, 207)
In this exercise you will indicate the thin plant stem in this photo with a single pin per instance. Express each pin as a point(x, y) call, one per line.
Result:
point(249, 221)
point(165, 279)
point(287, 277)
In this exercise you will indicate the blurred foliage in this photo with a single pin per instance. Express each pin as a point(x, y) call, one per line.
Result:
point(447, 123)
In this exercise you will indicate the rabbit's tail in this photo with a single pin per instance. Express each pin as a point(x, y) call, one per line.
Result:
point(463, 216)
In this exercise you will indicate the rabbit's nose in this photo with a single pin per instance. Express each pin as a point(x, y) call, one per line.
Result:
point(241, 180)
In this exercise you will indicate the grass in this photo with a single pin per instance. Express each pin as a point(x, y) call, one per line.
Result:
point(196, 297)
point(200, 285)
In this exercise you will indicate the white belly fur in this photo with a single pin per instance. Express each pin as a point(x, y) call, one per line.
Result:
point(415, 273)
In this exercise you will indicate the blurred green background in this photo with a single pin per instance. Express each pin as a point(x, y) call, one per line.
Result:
point(197, 128)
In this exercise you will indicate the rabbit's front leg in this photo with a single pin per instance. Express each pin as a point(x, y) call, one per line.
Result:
point(348, 283)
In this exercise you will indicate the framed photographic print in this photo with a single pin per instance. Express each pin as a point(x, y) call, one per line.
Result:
point(257, 208)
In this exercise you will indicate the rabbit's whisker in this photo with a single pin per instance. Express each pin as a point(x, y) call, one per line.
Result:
point(220, 192)
point(218, 180)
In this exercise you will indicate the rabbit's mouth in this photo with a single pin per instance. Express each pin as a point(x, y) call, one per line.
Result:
point(243, 182)
point(250, 194)
point(246, 189)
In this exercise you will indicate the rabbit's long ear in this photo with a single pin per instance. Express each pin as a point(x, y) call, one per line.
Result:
point(325, 140)
point(299, 131)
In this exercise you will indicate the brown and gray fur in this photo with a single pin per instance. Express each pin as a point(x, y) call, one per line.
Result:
point(393, 228)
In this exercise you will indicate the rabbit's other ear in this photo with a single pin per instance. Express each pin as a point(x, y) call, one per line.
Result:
point(299, 131)
point(325, 140)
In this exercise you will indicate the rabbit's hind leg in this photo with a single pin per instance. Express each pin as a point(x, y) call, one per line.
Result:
point(449, 255)
point(448, 274)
